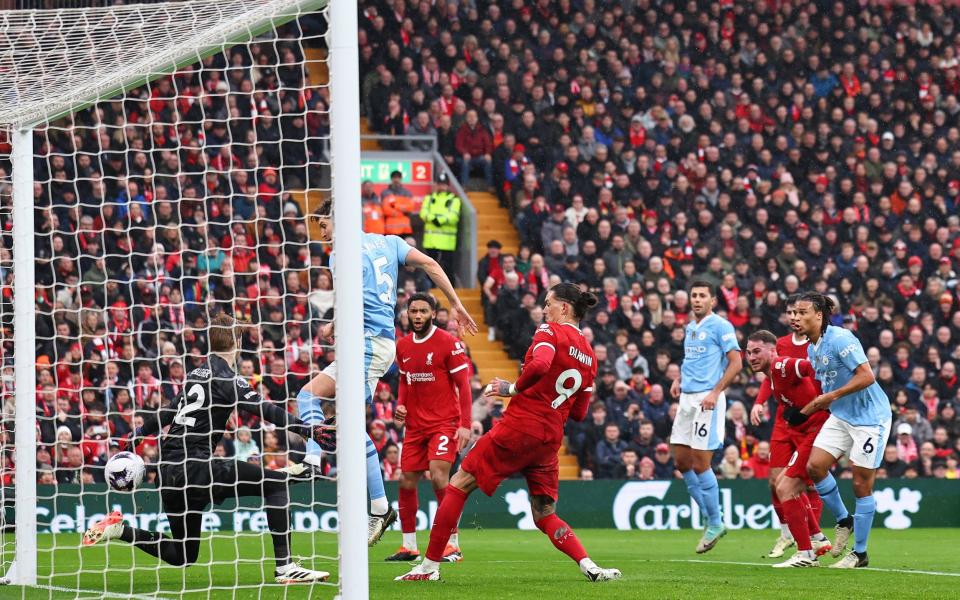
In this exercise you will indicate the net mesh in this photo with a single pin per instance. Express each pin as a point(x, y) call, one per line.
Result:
point(157, 206)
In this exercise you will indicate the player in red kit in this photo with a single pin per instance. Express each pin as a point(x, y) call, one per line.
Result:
point(792, 384)
point(556, 383)
point(792, 345)
point(435, 404)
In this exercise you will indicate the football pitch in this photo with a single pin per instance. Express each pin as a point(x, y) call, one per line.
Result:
point(499, 563)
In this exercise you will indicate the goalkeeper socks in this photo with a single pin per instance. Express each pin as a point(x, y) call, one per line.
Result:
point(408, 513)
point(445, 522)
point(562, 537)
point(862, 522)
point(816, 504)
point(693, 487)
point(830, 494)
point(378, 497)
point(711, 496)
point(795, 510)
point(311, 413)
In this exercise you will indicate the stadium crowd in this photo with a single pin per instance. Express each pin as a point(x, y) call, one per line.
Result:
point(768, 147)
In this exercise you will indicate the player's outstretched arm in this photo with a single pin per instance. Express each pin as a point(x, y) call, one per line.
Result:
point(422, 261)
point(154, 426)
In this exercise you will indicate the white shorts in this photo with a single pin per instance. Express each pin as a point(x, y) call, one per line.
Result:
point(699, 429)
point(863, 444)
point(378, 355)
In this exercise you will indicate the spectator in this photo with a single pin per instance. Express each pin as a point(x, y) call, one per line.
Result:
point(920, 426)
point(892, 463)
point(245, 447)
point(474, 148)
point(906, 444)
point(760, 461)
point(663, 462)
point(731, 463)
point(608, 450)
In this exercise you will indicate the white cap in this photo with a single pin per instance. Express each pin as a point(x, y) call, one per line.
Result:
point(888, 135)
point(904, 428)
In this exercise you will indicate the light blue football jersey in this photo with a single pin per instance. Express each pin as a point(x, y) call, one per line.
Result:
point(705, 347)
point(835, 357)
point(382, 257)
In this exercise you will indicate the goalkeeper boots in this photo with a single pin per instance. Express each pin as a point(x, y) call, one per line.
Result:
point(105, 529)
point(294, 573)
point(378, 524)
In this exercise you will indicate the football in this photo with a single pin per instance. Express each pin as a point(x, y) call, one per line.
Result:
point(124, 471)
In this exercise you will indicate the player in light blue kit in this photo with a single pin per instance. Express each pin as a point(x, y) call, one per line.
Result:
point(382, 257)
point(711, 362)
point(859, 422)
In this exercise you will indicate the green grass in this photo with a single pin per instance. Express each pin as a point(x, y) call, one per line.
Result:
point(517, 564)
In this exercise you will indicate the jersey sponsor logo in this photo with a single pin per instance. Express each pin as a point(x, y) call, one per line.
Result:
point(728, 336)
point(429, 359)
point(693, 351)
point(250, 394)
point(199, 372)
point(847, 350)
point(545, 329)
point(420, 378)
point(458, 348)
point(581, 356)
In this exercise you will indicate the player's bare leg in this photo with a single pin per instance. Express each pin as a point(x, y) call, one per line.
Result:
point(381, 515)
point(710, 490)
point(866, 507)
point(445, 522)
point(785, 540)
point(409, 503)
point(818, 469)
point(565, 540)
point(440, 478)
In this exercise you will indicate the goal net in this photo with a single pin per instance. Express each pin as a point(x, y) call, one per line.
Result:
point(159, 162)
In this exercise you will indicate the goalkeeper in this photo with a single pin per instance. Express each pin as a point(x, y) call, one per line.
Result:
point(190, 479)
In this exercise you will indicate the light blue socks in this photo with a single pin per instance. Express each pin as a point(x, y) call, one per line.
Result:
point(710, 490)
point(862, 522)
point(830, 493)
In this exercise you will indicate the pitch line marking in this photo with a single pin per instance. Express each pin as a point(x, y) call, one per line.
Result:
point(97, 593)
point(758, 564)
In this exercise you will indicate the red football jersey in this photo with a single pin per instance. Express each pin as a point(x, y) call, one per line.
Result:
point(427, 387)
point(792, 382)
point(787, 346)
point(542, 409)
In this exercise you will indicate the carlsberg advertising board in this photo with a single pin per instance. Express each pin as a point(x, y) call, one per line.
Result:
point(641, 505)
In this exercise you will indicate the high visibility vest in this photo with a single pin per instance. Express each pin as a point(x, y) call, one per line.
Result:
point(373, 218)
point(441, 216)
point(396, 212)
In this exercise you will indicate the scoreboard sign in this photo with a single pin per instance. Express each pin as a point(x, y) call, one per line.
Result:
point(415, 172)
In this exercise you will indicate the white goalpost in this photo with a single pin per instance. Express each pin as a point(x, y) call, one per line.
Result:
point(158, 164)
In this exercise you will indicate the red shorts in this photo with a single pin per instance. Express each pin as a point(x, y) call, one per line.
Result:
point(802, 442)
point(781, 444)
point(503, 451)
point(421, 447)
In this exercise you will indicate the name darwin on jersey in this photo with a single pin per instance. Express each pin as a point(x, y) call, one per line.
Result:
point(580, 356)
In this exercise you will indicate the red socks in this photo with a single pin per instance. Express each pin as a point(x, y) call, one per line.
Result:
point(562, 537)
point(795, 510)
point(408, 510)
point(816, 503)
point(445, 521)
point(777, 506)
point(813, 522)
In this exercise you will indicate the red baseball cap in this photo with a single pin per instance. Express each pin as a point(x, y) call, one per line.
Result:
point(914, 261)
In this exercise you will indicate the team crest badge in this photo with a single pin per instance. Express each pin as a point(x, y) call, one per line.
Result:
point(429, 358)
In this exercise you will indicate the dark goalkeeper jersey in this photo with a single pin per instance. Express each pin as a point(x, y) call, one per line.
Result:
point(198, 415)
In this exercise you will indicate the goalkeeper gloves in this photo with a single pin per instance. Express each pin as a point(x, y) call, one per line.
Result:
point(325, 434)
point(795, 417)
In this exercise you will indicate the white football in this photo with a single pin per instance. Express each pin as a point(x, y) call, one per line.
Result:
point(124, 471)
